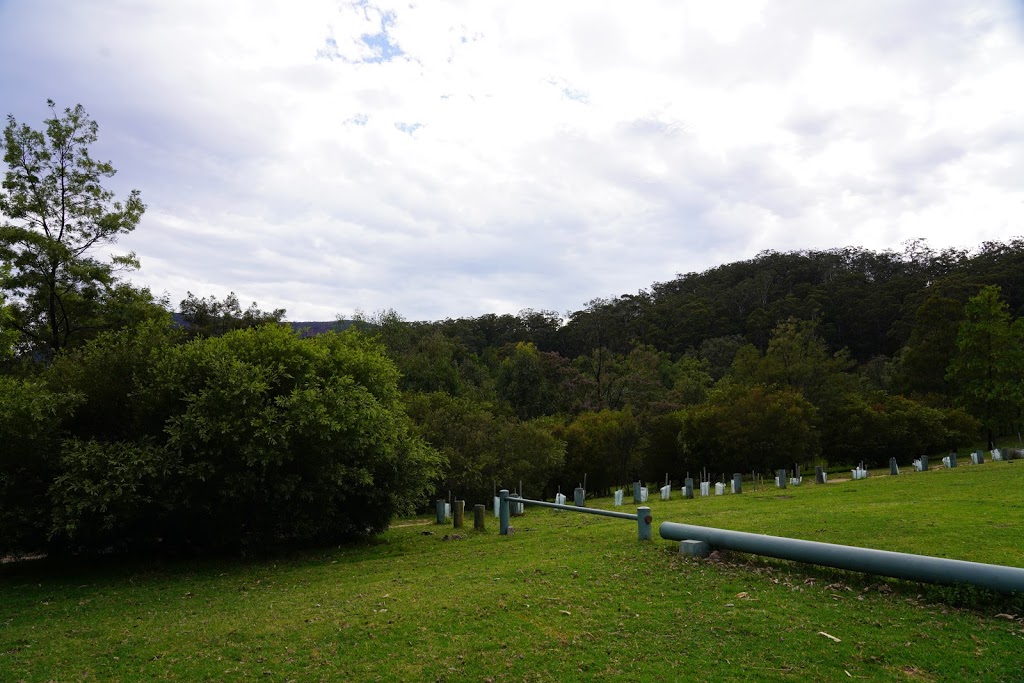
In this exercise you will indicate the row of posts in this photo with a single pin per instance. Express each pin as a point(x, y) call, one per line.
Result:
point(457, 510)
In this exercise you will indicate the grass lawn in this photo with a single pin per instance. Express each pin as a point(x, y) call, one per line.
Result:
point(567, 597)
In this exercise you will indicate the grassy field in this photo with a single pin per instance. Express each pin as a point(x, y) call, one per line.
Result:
point(568, 597)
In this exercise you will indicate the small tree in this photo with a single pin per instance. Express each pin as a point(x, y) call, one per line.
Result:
point(211, 318)
point(59, 215)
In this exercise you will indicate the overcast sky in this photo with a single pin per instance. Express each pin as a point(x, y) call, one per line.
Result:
point(455, 158)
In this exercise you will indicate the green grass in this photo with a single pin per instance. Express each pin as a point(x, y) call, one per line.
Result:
point(567, 597)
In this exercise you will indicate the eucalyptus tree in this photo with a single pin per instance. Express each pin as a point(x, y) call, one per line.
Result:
point(989, 364)
point(56, 215)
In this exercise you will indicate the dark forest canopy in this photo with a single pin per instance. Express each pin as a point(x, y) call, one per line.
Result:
point(862, 300)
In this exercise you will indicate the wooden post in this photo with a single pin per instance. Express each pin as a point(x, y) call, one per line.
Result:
point(457, 513)
point(478, 517)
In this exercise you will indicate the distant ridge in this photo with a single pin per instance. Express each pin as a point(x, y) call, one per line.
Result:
point(311, 329)
point(307, 328)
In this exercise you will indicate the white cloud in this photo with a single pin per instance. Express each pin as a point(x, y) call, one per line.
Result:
point(457, 158)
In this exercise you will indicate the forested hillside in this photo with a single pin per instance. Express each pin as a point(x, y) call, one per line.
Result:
point(834, 356)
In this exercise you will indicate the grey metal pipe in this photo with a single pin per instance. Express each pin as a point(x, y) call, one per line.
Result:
point(573, 508)
point(881, 562)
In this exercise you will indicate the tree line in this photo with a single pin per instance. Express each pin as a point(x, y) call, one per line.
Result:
point(126, 426)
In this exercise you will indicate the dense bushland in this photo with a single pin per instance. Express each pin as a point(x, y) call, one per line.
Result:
point(139, 439)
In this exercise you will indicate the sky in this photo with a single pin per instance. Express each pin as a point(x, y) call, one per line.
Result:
point(452, 158)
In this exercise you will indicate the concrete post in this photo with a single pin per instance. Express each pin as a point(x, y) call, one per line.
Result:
point(893, 467)
point(503, 512)
point(579, 497)
point(515, 509)
point(636, 492)
point(458, 513)
point(440, 512)
point(643, 523)
point(479, 514)
point(694, 549)
point(737, 483)
point(688, 488)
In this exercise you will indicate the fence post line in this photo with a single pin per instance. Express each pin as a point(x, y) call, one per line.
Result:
point(503, 512)
point(643, 523)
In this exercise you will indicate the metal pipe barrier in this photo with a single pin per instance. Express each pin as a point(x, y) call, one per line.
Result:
point(881, 562)
point(642, 516)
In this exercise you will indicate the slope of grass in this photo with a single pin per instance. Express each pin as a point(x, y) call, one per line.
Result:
point(567, 597)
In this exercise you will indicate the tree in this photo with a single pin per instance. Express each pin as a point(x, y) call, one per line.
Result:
point(256, 437)
point(931, 347)
point(211, 318)
point(483, 450)
point(8, 335)
point(59, 215)
point(743, 428)
point(989, 364)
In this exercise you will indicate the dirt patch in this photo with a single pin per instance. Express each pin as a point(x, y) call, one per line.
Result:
point(418, 522)
point(21, 558)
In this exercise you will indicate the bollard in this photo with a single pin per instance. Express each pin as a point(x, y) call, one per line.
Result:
point(780, 481)
point(894, 469)
point(503, 512)
point(688, 488)
point(579, 497)
point(819, 474)
point(458, 512)
point(479, 514)
point(636, 492)
point(440, 512)
point(737, 483)
point(643, 523)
